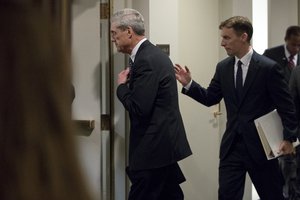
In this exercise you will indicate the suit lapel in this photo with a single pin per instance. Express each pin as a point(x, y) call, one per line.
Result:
point(143, 45)
point(283, 61)
point(252, 71)
point(231, 80)
point(133, 68)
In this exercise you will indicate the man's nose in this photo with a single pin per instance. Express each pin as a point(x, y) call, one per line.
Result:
point(222, 43)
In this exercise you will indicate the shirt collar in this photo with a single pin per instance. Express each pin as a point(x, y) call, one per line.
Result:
point(136, 48)
point(287, 53)
point(246, 58)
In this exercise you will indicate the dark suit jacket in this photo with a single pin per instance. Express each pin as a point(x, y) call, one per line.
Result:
point(295, 89)
point(264, 89)
point(277, 54)
point(157, 134)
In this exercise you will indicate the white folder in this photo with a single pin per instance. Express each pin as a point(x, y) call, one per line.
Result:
point(270, 131)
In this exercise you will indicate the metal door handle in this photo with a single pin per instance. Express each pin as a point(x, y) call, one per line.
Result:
point(218, 112)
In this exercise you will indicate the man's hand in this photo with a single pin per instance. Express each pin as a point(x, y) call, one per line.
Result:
point(286, 147)
point(183, 75)
point(123, 76)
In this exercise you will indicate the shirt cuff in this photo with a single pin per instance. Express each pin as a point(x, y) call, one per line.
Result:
point(187, 87)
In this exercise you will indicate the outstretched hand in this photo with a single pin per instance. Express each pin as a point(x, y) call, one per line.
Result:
point(183, 75)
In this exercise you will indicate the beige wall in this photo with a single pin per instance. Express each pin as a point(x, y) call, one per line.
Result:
point(198, 49)
point(86, 105)
point(281, 15)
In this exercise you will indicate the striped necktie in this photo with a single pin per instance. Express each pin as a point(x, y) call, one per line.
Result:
point(130, 69)
point(291, 63)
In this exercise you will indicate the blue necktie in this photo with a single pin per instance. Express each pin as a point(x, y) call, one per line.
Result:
point(239, 81)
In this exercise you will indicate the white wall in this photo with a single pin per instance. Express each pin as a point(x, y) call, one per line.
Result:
point(281, 15)
point(198, 48)
point(163, 24)
point(86, 106)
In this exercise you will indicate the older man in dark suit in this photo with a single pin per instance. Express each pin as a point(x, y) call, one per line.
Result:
point(251, 86)
point(157, 135)
point(288, 56)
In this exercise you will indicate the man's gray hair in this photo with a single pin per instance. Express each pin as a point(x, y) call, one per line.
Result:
point(129, 18)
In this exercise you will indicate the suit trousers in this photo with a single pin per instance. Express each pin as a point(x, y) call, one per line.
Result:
point(297, 181)
point(156, 184)
point(290, 167)
point(266, 177)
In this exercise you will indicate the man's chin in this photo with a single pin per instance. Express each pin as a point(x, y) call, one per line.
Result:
point(229, 53)
point(120, 50)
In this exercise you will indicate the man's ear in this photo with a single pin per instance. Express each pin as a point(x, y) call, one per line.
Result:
point(244, 36)
point(129, 32)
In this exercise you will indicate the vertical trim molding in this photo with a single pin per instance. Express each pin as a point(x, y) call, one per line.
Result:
point(298, 12)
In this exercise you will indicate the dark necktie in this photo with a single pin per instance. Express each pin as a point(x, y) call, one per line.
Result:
point(239, 80)
point(130, 63)
point(130, 69)
point(291, 63)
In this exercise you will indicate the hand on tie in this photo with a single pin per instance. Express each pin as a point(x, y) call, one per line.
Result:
point(123, 76)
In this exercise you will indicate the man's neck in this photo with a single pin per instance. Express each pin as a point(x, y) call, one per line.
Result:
point(134, 47)
point(244, 51)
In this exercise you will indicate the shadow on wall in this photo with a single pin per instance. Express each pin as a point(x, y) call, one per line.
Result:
point(97, 81)
point(79, 6)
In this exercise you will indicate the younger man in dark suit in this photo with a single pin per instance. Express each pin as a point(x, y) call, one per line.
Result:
point(251, 86)
point(287, 56)
point(157, 135)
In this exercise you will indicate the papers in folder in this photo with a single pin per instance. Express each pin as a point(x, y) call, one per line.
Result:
point(270, 131)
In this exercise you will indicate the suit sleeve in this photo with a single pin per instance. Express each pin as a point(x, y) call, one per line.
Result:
point(208, 97)
point(139, 99)
point(279, 91)
point(266, 53)
point(295, 91)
